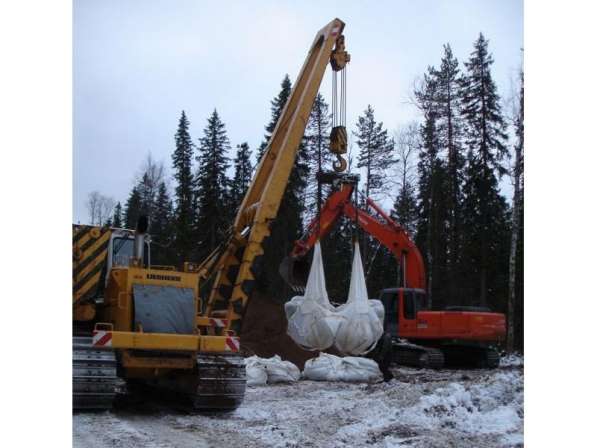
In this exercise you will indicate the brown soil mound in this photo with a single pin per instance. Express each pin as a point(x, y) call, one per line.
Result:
point(263, 332)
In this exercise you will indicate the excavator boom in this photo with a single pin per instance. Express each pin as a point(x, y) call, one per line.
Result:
point(389, 233)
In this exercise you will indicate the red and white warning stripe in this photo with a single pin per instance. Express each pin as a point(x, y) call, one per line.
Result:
point(219, 323)
point(102, 338)
point(232, 344)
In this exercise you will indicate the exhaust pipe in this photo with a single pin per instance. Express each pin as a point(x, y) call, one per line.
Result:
point(139, 245)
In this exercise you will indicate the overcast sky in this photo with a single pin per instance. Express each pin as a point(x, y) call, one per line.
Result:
point(138, 64)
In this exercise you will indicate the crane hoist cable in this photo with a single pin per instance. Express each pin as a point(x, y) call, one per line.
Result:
point(338, 136)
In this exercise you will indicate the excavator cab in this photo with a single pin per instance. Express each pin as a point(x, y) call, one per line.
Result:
point(402, 306)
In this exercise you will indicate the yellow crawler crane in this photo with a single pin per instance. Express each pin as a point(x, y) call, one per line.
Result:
point(140, 325)
point(136, 324)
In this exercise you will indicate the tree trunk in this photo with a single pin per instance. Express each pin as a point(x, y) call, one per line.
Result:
point(513, 249)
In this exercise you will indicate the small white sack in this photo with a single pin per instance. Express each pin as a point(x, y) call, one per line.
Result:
point(256, 374)
point(312, 323)
point(361, 319)
point(328, 367)
point(262, 371)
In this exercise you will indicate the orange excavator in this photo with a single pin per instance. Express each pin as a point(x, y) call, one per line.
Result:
point(456, 336)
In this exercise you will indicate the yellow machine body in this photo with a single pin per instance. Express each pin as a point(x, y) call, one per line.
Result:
point(96, 272)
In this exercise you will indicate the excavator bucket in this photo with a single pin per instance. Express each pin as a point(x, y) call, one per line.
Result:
point(295, 272)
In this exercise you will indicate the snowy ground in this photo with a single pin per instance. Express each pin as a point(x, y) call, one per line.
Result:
point(419, 408)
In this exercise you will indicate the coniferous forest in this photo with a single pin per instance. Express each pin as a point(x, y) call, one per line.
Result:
point(438, 177)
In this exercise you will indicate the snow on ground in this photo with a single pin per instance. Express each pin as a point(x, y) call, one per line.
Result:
point(419, 408)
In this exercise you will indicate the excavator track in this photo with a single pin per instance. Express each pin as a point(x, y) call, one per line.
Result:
point(95, 382)
point(417, 356)
point(471, 356)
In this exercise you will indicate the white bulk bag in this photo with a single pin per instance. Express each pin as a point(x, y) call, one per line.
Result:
point(262, 371)
point(312, 323)
point(328, 367)
point(361, 319)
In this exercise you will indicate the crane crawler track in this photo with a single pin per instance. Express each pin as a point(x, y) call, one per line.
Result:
point(217, 384)
point(95, 382)
point(222, 382)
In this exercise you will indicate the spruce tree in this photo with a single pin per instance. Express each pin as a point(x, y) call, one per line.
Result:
point(161, 228)
point(337, 253)
point(183, 192)
point(288, 225)
point(152, 174)
point(375, 157)
point(375, 151)
point(117, 218)
point(243, 172)
point(405, 210)
point(317, 140)
point(277, 105)
point(485, 218)
point(132, 209)
point(211, 186)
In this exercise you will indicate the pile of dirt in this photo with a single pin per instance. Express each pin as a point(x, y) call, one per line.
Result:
point(263, 332)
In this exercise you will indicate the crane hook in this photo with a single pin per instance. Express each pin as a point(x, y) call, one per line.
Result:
point(340, 164)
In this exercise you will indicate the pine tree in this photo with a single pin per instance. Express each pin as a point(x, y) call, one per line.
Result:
point(117, 218)
point(211, 186)
point(161, 228)
point(485, 218)
point(431, 231)
point(449, 128)
point(183, 193)
point(132, 210)
point(243, 171)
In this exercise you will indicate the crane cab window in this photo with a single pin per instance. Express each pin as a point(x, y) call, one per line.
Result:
point(122, 251)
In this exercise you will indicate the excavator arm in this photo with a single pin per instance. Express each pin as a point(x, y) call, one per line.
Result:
point(385, 230)
point(237, 264)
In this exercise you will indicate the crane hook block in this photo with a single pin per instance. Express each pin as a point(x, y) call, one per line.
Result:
point(338, 140)
point(339, 57)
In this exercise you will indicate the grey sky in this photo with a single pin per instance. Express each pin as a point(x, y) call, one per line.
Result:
point(137, 64)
